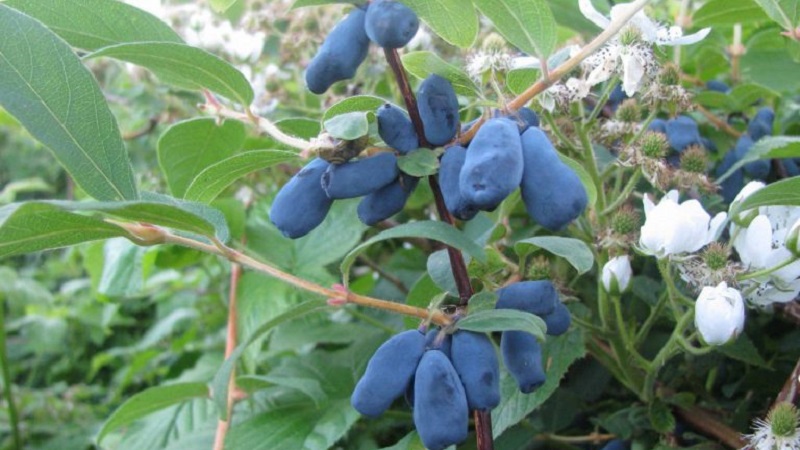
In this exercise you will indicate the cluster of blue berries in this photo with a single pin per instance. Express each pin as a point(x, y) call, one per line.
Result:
point(507, 153)
point(387, 23)
point(444, 376)
point(302, 203)
point(682, 132)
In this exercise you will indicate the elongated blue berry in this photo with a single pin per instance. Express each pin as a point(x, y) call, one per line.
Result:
point(718, 86)
point(396, 129)
point(536, 297)
point(438, 108)
point(734, 183)
point(761, 125)
point(552, 192)
point(682, 132)
point(493, 167)
point(449, 173)
point(343, 51)
point(358, 178)
point(522, 356)
point(558, 321)
point(388, 373)
point(476, 363)
point(386, 201)
point(659, 125)
point(757, 169)
point(301, 204)
point(441, 414)
point(390, 24)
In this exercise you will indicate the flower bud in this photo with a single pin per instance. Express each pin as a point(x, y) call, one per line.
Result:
point(719, 314)
point(654, 145)
point(694, 159)
point(617, 275)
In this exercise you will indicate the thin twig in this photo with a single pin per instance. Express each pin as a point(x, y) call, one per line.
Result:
point(709, 425)
point(717, 122)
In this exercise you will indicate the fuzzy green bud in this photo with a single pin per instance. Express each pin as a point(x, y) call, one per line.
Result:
point(539, 269)
point(630, 36)
point(716, 256)
point(494, 43)
point(625, 221)
point(694, 159)
point(629, 111)
point(654, 145)
point(783, 419)
point(670, 75)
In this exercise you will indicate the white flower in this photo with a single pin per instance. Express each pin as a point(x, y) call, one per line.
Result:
point(650, 30)
point(671, 228)
point(564, 93)
point(617, 274)
point(634, 62)
point(780, 431)
point(719, 314)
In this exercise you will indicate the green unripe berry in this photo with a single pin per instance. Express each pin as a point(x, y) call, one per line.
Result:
point(625, 221)
point(783, 419)
point(716, 256)
point(694, 159)
point(629, 111)
point(654, 145)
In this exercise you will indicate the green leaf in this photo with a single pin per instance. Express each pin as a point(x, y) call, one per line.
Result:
point(419, 163)
point(309, 387)
point(661, 416)
point(31, 227)
point(353, 104)
point(150, 401)
point(161, 210)
point(122, 268)
point(576, 252)
point(437, 231)
point(219, 386)
point(766, 62)
point(518, 80)
point(294, 423)
point(184, 66)
point(422, 64)
point(784, 192)
point(716, 100)
point(189, 147)
point(767, 148)
point(212, 180)
point(455, 21)
point(348, 126)
point(44, 85)
point(747, 94)
point(503, 319)
point(785, 12)
point(559, 352)
point(583, 175)
point(221, 6)
point(302, 3)
point(93, 24)
point(727, 13)
point(743, 349)
point(484, 300)
point(527, 24)
point(411, 441)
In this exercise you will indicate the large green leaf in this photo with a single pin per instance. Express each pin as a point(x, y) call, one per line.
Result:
point(576, 252)
point(184, 66)
point(150, 401)
point(189, 147)
point(437, 231)
point(365, 103)
point(454, 20)
point(559, 352)
point(528, 24)
point(489, 320)
point(31, 227)
point(785, 192)
point(422, 64)
point(727, 13)
point(785, 12)
point(220, 384)
point(767, 148)
point(92, 24)
point(212, 180)
point(44, 85)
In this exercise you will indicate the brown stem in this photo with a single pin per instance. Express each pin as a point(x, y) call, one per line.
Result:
point(790, 389)
point(719, 123)
point(707, 424)
point(483, 420)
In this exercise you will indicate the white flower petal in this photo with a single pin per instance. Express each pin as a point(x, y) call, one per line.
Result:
point(756, 245)
point(715, 228)
point(688, 39)
point(596, 17)
point(719, 314)
point(632, 73)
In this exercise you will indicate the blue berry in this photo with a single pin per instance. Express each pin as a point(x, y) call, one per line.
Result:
point(386, 201)
point(438, 108)
point(761, 125)
point(388, 373)
point(449, 172)
point(718, 86)
point(301, 204)
point(616, 444)
point(476, 363)
point(493, 167)
point(361, 177)
point(552, 192)
point(390, 24)
point(734, 183)
point(558, 321)
point(441, 414)
point(757, 169)
point(343, 51)
point(536, 297)
point(658, 125)
point(396, 129)
point(522, 356)
point(682, 132)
